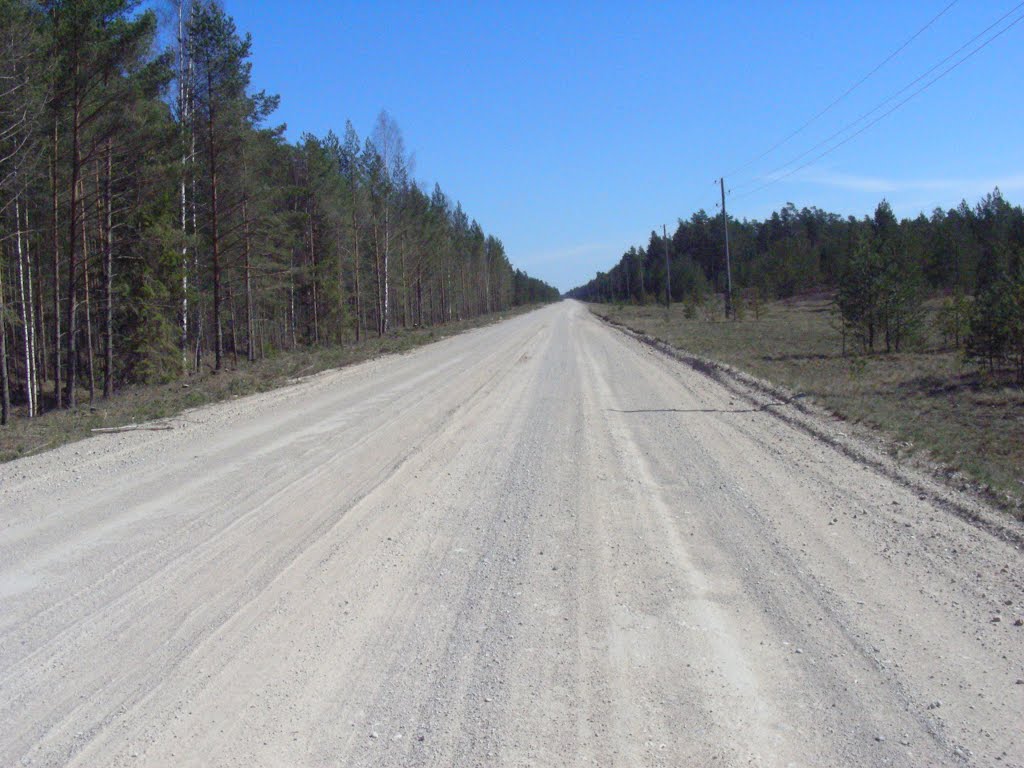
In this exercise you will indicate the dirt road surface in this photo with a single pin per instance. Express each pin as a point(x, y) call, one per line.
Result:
point(539, 543)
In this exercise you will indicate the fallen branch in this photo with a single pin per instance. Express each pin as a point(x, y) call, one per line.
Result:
point(134, 428)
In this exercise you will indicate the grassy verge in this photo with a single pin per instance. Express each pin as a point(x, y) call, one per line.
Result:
point(927, 400)
point(22, 437)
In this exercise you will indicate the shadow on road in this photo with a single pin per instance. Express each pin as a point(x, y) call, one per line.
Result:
point(764, 407)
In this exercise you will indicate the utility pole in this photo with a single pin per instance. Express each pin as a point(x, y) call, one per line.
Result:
point(728, 266)
point(668, 276)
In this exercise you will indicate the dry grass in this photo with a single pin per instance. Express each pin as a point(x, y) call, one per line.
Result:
point(928, 399)
point(22, 437)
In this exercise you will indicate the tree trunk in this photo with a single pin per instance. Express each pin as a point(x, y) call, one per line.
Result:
point(342, 299)
point(198, 355)
point(464, 303)
point(316, 317)
point(200, 310)
point(54, 228)
point(184, 117)
point(250, 342)
point(291, 301)
point(234, 336)
point(71, 373)
point(108, 282)
point(487, 283)
point(446, 297)
point(215, 240)
point(387, 249)
point(88, 304)
point(314, 274)
point(27, 321)
point(405, 287)
point(41, 356)
point(355, 276)
point(419, 300)
point(5, 384)
point(33, 338)
point(377, 268)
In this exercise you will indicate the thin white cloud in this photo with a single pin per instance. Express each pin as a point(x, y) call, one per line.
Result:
point(879, 184)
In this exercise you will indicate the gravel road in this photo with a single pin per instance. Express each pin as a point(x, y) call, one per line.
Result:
point(539, 543)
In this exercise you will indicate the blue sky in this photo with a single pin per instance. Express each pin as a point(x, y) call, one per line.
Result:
point(571, 130)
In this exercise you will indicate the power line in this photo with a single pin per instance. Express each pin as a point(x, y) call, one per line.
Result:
point(888, 112)
point(845, 93)
point(885, 101)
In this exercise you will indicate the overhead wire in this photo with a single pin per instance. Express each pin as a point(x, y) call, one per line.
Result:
point(885, 101)
point(888, 112)
point(845, 93)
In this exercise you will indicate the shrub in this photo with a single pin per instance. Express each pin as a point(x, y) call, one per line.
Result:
point(880, 297)
point(996, 336)
point(952, 319)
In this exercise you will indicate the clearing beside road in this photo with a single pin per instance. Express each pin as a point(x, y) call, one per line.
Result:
point(536, 543)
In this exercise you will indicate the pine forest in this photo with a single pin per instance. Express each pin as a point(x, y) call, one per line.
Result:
point(881, 273)
point(155, 222)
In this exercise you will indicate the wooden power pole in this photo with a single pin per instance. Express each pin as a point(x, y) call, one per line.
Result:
point(728, 266)
point(668, 274)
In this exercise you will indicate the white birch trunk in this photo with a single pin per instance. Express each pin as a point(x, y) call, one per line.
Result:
point(26, 324)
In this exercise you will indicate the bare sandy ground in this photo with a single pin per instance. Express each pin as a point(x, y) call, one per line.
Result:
point(538, 543)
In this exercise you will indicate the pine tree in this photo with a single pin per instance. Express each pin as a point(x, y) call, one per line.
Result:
point(94, 40)
point(224, 109)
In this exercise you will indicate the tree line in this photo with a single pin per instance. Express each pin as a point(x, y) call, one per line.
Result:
point(880, 271)
point(154, 223)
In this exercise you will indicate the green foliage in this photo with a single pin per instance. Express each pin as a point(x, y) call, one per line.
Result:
point(199, 227)
point(902, 306)
point(739, 309)
point(530, 290)
point(996, 336)
point(223, 72)
point(752, 300)
point(148, 350)
point(793, 252)
point(880, 299)
point(858, 297)
point(952, 319)
point(1016, 345)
